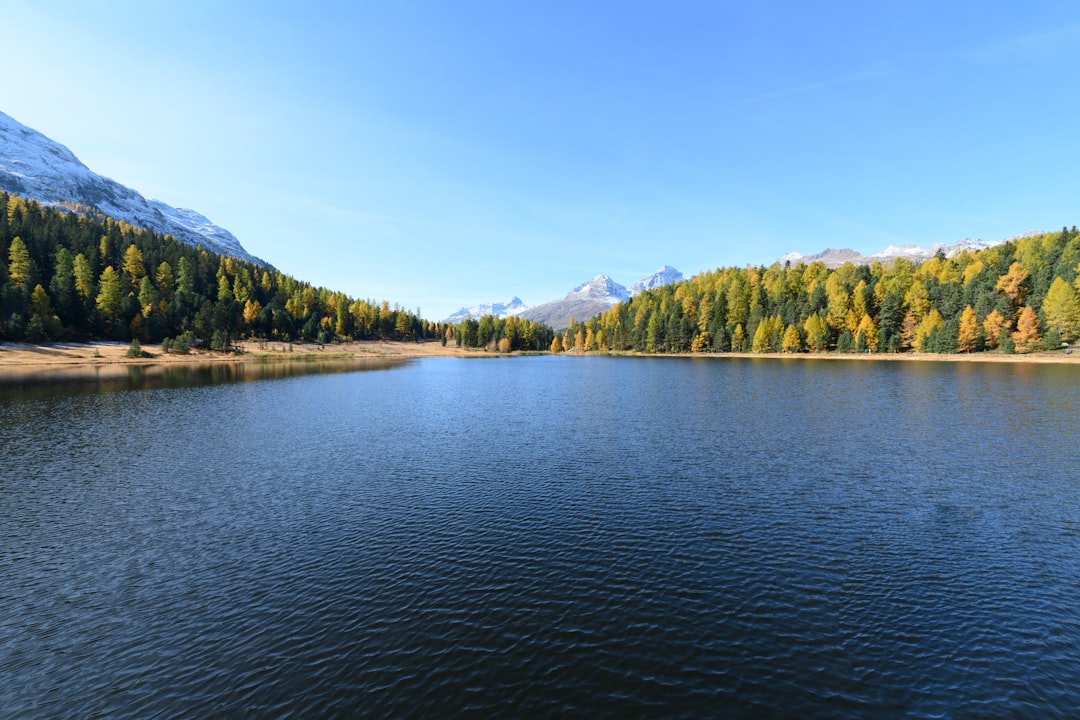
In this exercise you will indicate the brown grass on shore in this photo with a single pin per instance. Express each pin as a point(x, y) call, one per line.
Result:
point(19, 358)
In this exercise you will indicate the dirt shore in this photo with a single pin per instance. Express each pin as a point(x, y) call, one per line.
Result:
point(20, 359)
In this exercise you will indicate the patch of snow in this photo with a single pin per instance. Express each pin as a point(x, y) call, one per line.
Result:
point(666, 275)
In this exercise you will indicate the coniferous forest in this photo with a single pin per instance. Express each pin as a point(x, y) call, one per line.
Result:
point(78, 277)
point(1020, 296)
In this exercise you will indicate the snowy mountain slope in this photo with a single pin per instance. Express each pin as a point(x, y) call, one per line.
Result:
point(666, 275)
point(602, 289)
point(595, 296)
point(38, 168)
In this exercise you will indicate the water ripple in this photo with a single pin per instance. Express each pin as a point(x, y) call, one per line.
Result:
point(622, 538)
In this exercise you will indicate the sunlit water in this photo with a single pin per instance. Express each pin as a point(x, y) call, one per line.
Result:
point(547, 536)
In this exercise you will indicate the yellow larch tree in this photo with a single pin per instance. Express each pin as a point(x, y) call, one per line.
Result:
point(994, 324)
point(968, 331)
point(1027, 330)
point(791, 342)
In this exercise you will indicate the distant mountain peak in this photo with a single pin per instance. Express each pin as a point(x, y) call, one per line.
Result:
point(592, 297)
point(512, 307)
point(834, 258)
point(38, 168)
point(666, 275)
point(601, 288)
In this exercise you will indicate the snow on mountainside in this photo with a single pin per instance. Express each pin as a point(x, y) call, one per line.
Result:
point(590, 298)
point(37, 168)
point(499, 309)
point(594, 297)
point(664, 276)
point(601, 288)
point(916, 253)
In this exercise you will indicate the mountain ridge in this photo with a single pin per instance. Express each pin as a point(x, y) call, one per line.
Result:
point(38, 168)
point(586, 299)
point(835, 257)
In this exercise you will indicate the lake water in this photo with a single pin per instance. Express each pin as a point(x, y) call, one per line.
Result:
point(544, 537)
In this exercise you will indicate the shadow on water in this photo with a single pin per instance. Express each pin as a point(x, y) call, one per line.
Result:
point(118, 378)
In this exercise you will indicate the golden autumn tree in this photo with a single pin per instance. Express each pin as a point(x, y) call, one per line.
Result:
point(869, 332)
point(1027, 330)
point(927, 325)
point(1061, 308)
point(252, 308)
point(968, 331)
point(19, 264)
point(133, 266)
point(994, 324)
point(1012, 284)
point(109, 300)
point(817, 333)
point(738, 339)
point(791, 342)
point(908, 328)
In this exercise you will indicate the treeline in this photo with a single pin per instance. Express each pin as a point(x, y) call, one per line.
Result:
point(1020, 296)
point(70, 276)
point(501, 334)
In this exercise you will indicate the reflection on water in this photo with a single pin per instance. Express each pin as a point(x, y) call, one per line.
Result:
point(546, 537)
point(84, 380)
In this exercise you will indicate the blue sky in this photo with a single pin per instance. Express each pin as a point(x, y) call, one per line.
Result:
point(442, 154)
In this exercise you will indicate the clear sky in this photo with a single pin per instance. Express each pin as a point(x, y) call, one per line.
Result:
point(446, 153)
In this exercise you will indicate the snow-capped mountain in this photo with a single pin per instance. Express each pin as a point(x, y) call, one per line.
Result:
point(664, 276)
point(595, 296)
point(833, 258)
point(509, 308)
point(590, 298)
point(602, 289)
point(37, 168)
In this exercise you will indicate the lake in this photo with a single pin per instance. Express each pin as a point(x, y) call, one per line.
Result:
point(546, 537)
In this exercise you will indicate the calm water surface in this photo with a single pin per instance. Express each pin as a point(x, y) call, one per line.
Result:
point(547, 536)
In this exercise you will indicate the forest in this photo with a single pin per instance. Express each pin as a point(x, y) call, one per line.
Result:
point(1020, 296)
point(72, 274)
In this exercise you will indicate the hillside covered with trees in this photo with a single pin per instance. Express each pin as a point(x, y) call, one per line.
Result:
point(72, 276)
point(78, 276)
point(1020, 296)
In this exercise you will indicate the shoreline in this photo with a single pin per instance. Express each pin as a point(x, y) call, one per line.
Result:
point(24, 360)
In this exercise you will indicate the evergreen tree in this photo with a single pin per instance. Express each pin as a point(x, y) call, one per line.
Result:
point(110, 301)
